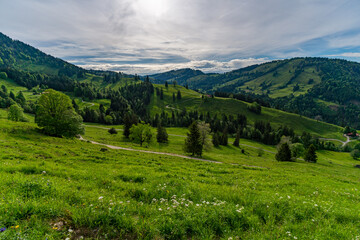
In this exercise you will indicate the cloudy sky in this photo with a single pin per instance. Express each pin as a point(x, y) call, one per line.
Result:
point(149, 36)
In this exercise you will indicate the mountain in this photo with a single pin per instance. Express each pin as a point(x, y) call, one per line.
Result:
point(321, 88)
point(180, 76)
point(18, 55)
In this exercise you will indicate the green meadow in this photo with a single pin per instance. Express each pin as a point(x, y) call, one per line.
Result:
point(55, 188)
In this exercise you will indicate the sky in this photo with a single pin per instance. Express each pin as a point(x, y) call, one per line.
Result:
point(151, 36)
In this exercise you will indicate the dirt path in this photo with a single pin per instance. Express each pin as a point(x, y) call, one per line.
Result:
point(337, 140)
point(184, 137)
point(163, 153)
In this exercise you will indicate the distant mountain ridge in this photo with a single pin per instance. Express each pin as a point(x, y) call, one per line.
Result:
point(180, 76)
point(321, 88)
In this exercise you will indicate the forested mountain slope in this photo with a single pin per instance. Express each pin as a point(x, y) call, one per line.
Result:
point(322, 88)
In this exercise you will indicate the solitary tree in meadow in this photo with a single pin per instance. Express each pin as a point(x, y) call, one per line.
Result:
point(141, 133)
point(56, 115)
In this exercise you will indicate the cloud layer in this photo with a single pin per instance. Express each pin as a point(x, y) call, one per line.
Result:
point(147, 36)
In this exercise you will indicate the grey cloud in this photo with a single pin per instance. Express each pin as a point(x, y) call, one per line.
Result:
point(208, 34)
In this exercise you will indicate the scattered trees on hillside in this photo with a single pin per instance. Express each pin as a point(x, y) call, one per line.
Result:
point(193, 142)
point(56, 115)
point(141, 133)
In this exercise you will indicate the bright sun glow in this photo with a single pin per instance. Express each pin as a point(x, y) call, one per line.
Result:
point(153, 7)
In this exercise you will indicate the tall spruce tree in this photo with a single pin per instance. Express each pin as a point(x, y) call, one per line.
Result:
point(284, 153)
point(193, 143)
point(237, 139)
point(216, 139)
point(178, 95)
point(310, 155)
point(162, 136)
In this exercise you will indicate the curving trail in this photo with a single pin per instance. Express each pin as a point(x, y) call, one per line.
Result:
point(343, 143)
point(163, 153)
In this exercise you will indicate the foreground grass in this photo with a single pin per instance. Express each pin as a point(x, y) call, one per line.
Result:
point(57, 188)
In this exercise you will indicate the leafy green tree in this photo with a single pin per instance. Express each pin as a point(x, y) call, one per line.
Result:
point(141, 133)
point(284, 153)
point(15, 113)
point(297, 150)
point(193, 143)
point(355, 154)
point(56, 115)
point(204, 129)
point(310, 155)
point(3, 75)
point(4, 89)
point(161, 136)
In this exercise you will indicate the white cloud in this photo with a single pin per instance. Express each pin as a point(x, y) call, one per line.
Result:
point(203, 65)
point(347, 54)
point(151, 32)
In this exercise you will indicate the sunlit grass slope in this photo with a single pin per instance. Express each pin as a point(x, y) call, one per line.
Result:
point(57, 188)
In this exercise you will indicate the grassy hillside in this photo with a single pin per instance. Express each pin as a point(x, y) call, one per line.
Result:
point(192, 100)
point(320, 88)
point(58, 188)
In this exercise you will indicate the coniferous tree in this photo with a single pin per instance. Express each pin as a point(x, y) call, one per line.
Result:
point(216, 139)
point(284, 153)
point(161, 94)
point(76, 107)
point(178, 95)
point(310, 155)
point(12, 96)
point(224, 137)
point(129, 120)
point(193, 141)
point(166, 84)
point(174, 97)
point(162, 136)
point(237, 139)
